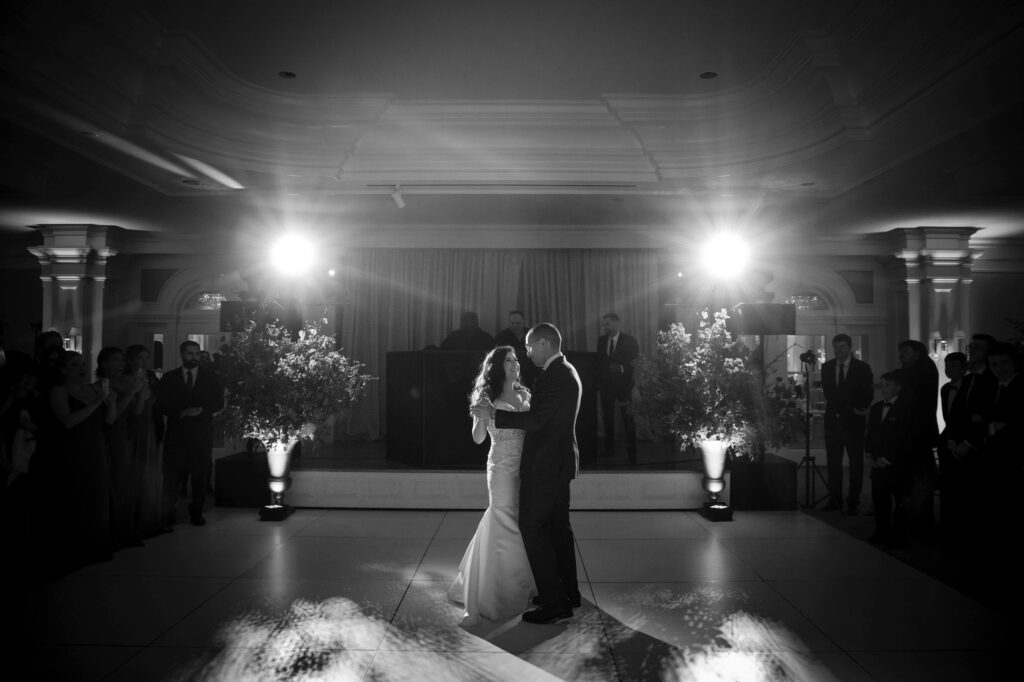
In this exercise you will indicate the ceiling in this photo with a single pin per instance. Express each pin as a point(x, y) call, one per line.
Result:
point(832, 120)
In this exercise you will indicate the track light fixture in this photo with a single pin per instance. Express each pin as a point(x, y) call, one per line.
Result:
point(396, 196)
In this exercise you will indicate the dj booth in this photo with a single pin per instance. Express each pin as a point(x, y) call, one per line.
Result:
point(428, 423)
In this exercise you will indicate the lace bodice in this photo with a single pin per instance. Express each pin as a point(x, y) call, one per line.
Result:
point(506, 444)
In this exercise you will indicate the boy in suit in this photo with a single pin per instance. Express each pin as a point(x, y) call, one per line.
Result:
point(887, 443)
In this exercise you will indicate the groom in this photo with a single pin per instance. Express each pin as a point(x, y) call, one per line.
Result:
point(550, 460)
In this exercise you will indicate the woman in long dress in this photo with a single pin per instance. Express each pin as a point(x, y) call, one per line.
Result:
point(494, 580)
point(81, 410)
point(145, 446)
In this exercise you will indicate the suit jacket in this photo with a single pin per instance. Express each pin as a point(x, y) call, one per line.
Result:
point(626, 351)
point(958, 415)
point(1006, 446)
point(921, 390)
point(889, 437)
point(856, 393)
point(174, 397)
point(550, 451)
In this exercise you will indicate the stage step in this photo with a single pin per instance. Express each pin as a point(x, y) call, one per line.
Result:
point(468, 490)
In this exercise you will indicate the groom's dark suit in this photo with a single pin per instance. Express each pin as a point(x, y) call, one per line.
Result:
point(550, 460)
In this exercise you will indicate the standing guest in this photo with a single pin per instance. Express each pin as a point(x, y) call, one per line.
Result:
point(848, 385)
point(617, 352)
point(145, 447)
point(959, 448)
point(515, 335)
point(982, 389)
point(977, 352)
point(1004, 458)
point(469, 335)
point(48, 347)
point(188, 397)
point(83, 492)
point(886, 443)
point(921, 391)
point(110, 365)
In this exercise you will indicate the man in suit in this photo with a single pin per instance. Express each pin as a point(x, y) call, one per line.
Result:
point(921, 392)
point(959, 446)
point(188, 397)
point(848, 385)
point(469, 335)
point(886, 443)
point(617, 352)
point(550, 461)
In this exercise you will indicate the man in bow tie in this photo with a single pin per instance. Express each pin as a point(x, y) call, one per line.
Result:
point(849, 387)
point(887, 441)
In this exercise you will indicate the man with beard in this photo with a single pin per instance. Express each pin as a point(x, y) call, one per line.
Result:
point(188, 398)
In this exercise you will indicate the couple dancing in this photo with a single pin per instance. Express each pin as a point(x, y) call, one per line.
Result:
point(524, 551)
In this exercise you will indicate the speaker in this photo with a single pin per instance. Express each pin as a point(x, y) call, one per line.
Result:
point(763, 319)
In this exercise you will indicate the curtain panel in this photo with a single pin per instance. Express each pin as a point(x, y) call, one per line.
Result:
point(407, 299)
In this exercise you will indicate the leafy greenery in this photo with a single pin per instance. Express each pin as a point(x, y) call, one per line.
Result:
point(281, 386)
point(702, 386)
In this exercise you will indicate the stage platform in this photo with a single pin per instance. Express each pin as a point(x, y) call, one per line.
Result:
point(358, 474)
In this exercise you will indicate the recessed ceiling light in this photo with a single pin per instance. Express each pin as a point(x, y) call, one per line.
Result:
point(708, 75)
point(287, 75)
point(190, 182)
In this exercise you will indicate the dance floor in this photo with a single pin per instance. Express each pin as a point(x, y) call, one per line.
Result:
point(360, 595)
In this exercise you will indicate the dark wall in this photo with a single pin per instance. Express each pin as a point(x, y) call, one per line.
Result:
point(21, 303)
point(994, 298)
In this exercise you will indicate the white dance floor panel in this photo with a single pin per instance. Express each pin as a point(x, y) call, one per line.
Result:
point(361, 489)
point(360, 595)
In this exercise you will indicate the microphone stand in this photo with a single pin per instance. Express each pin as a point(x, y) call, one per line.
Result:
point(808, 462)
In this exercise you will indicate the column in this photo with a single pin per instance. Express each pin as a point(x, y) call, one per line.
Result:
point(937, 264)
point(73, 262)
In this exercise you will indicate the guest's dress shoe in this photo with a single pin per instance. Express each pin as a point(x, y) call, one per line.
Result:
point(831, 506)
point(851, 510)
point(878, 539)
point(574, 601)
point(549, 613)
point(198, 520)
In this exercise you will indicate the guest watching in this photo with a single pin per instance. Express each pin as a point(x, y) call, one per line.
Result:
point(848, 385)
point(886, 443)
point(616, 352)
point(188, 397)
point(124, 503)
point(142, 434)
point(469, 335)
point(921, 391)
point(959, 453)
point(83, 482)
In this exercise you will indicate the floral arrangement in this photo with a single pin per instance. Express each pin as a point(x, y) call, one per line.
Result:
point(283, 385)
point(701, 386)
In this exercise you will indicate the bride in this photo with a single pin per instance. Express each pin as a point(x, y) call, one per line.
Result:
point(495, 581)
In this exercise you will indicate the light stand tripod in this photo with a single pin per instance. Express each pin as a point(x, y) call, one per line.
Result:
point(810, 470)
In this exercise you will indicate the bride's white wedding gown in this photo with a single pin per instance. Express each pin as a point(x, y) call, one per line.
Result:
point(495, 581)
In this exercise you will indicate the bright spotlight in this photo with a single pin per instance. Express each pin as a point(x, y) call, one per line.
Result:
point(725, 255)
point(292, 254)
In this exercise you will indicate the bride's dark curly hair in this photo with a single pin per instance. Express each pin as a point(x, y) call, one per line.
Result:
point(490, 380)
